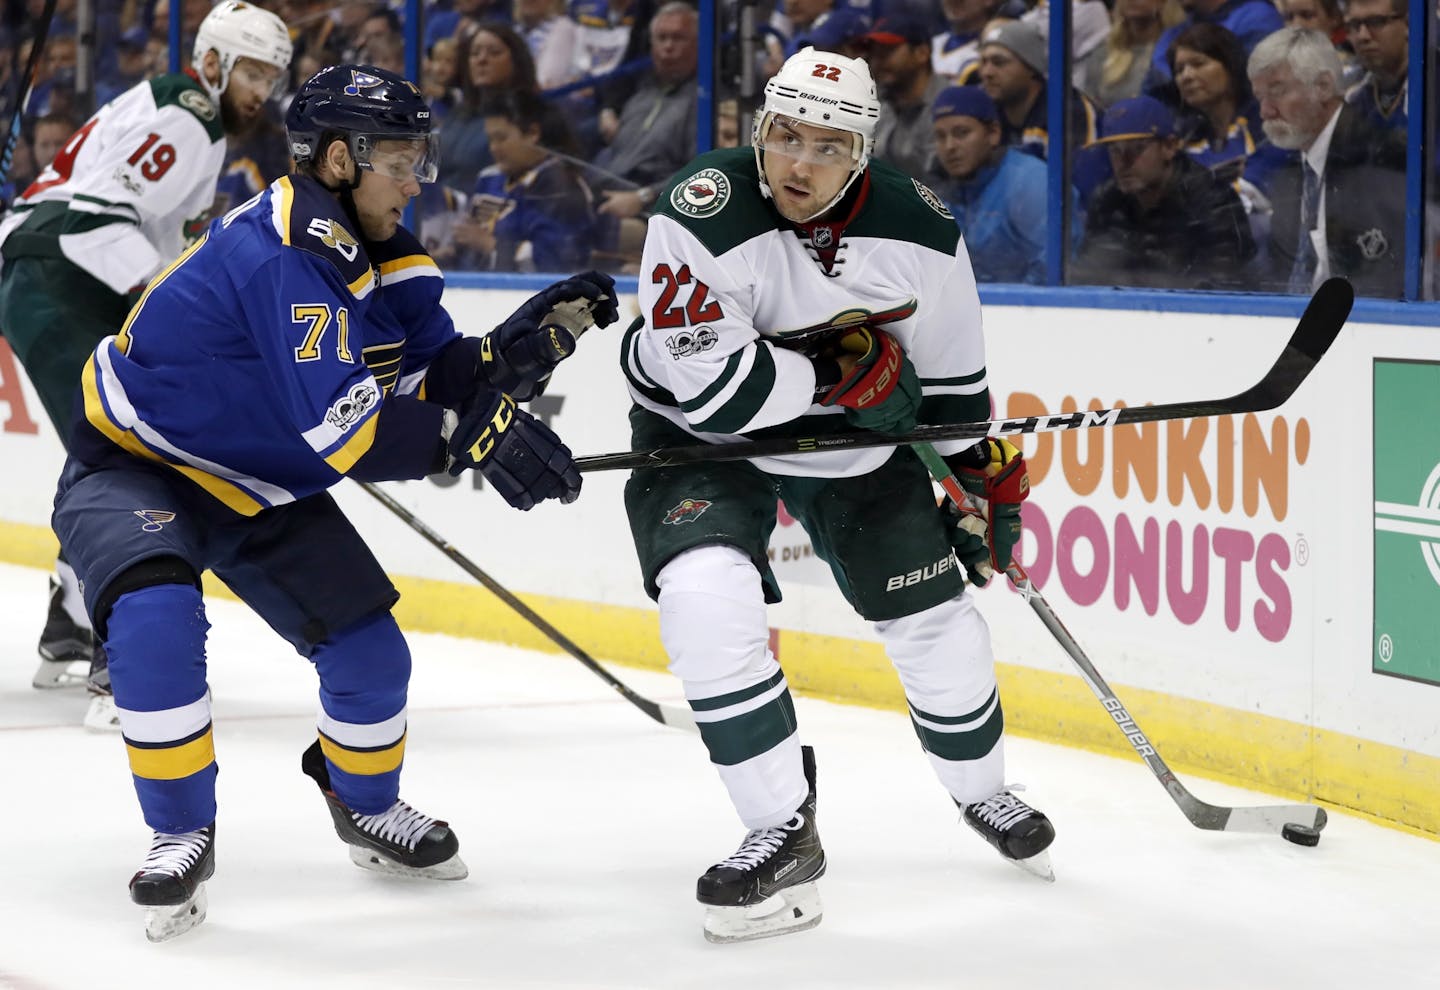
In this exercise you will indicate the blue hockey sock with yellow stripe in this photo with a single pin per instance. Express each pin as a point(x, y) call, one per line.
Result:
point(156, 644)
point(364, 676)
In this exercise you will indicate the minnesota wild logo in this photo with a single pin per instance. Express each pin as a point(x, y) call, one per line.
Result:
point(688, 510)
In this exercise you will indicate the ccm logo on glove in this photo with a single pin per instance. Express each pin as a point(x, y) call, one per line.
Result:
point(499, 423)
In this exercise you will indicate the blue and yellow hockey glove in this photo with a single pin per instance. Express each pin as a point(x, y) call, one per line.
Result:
point(518, 454)
point(518, 356)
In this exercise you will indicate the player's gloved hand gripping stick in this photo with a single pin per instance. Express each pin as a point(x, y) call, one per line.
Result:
point(518, 454)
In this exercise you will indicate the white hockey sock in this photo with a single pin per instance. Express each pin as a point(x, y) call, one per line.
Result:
point(712, 622)
point(946, 665)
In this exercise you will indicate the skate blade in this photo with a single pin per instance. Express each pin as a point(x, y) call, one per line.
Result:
point(1037, 866)
point(53, 674)
point(453, 868)
point(164, 922)
point(101, 715)
point(793, 909)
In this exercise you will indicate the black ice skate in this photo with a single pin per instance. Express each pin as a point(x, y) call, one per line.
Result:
point(768, 886)
point(64, 646)
point(171, 882)
point(399, 841)
point(101, 715)
point(1017, 831)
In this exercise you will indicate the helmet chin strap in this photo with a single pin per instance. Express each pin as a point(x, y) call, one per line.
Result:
point(345, 191)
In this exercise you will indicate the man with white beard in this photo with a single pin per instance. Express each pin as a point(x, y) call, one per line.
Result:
point(1340, 206)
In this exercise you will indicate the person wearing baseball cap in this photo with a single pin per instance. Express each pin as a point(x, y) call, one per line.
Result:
point(997, 193)
point(841, 29)
point(897, 49)
point(1163, 221)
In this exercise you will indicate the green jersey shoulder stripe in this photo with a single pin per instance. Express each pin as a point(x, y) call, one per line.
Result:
point(738, 410)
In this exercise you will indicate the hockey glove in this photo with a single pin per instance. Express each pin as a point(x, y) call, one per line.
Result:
point(881, 390)
point(518, 454)
point(993, 473)
point(518, 356)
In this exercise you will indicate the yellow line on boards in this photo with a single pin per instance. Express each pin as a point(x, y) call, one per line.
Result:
point(1385, 784)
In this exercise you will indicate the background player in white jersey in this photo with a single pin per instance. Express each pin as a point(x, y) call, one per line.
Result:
point(121, 199)
point(300, 341)
point(803, 288)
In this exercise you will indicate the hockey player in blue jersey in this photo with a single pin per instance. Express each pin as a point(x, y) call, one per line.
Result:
point(299, 341)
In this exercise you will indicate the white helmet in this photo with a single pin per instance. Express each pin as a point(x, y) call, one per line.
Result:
point(826, 90)
point(238, 30)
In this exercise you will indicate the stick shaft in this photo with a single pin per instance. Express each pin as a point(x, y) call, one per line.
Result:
point(665, 714)
point(1321, 323)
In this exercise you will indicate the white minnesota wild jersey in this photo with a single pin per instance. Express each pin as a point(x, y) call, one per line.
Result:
point(130, 189)
point(731, 294)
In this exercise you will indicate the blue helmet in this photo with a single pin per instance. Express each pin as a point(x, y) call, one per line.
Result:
point(363, 105)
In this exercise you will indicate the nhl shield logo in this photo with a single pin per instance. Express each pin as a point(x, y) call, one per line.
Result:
point(1373, 244)
point(704, 194)
point(688, 510)
point(822, 237)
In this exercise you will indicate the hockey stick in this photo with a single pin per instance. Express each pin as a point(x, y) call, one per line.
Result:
point(1319, 326)
point(677, 718)
point(1271, 818)
point(23, 85)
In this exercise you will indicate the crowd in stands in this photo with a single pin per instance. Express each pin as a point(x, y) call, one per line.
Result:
point(1223, 144)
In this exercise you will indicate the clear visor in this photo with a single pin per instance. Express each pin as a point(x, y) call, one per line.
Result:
point(809, 143)
point(259, 75)
point(400, 158)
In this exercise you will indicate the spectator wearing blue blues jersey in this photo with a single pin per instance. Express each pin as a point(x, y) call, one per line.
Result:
point(1220, 120)
point(530, 210)
point(996, 193)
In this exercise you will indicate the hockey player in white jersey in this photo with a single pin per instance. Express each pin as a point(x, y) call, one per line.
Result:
point(798, 287)
point(120, 200)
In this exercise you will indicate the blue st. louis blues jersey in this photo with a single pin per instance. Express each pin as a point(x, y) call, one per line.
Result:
point(277, 355)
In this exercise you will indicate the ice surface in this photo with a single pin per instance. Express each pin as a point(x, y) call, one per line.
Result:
point(585, 825)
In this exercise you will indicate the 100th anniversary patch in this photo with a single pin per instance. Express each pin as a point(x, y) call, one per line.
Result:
point(704, 194)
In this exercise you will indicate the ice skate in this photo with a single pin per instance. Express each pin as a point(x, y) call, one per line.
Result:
point(64, 646)
point(768, 886)
point(101, 716)
point(170, 884)
point(1017, 831)
point(400, 841)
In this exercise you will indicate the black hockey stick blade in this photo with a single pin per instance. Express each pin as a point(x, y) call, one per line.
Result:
point(1321, 323)
point(671, 715)
point(1270, 819)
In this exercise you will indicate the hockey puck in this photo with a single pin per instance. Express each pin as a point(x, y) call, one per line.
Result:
point(1301, 835)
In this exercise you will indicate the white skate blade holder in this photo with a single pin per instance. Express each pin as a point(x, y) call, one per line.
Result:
point(101, 715)
point(366, 858)
point(793, 909)
point(164, 922)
